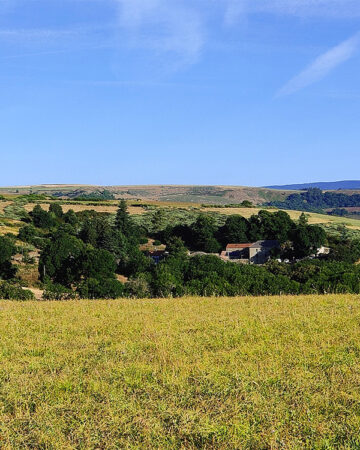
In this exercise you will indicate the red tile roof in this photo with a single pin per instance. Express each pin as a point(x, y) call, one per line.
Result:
point(234, 246)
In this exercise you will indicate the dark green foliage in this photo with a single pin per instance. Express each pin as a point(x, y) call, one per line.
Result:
point(7, 250)
point(133, 261)
point(345, 250)
point(314, 199)
point(62, 260)
point(55, 291)
point(175, 247)
point(70, 217)
point(98, 263)
point(27, 233)
point(67, 260)
point(341, 212)
point(105, 288)
point(209, 275)
point(203, 235)
point(10, 291)
point(56, 210)
point(235, 230)
point(307, 240)
point(41, 218)
point(122, 220)
point(94, 196)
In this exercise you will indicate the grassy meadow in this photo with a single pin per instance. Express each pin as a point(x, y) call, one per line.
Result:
point(258, 373)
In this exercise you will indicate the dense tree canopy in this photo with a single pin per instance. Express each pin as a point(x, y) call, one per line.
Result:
point(83, 254)
point(7, 250)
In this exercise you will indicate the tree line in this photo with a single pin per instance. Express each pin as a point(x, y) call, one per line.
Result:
point(314, 199)
point(83, 255)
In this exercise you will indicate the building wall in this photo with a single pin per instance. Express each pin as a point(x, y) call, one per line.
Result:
point(259, 255)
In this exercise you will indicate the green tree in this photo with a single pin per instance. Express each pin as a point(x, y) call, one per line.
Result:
point(41, 218)
point(203, 231)
point(122, 220)
point(234, 231)
point(7, 250)
point(158, 220)
point(62, 260)
point(56, 210)
point(70, 217)
point(103, 288)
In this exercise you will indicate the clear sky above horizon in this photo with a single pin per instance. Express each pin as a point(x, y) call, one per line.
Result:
point(230, 92)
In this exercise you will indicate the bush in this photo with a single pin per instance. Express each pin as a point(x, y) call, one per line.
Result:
point(138, 288)
point(55, 291)
point(93, 288)
point(9, 291)
point(7, 250)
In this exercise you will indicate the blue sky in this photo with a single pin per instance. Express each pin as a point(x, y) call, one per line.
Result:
point(235, 92)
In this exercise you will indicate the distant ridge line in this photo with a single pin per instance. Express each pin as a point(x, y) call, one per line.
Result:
point(324, 185)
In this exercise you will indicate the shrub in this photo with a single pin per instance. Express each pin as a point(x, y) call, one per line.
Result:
point(93, 288)
point(55, 291)
point(138, 287)
point(9, 291)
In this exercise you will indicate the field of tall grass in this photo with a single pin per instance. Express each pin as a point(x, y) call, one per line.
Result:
point(258, 373)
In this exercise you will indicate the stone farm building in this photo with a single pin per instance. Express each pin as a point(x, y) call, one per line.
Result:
point(251, 253)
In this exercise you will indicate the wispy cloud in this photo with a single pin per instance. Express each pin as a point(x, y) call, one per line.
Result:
point(36, 34)
point(323, 65)
point(303, 8)
point(173, 27)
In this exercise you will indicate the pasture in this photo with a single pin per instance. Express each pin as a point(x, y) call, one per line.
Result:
point(270, 372)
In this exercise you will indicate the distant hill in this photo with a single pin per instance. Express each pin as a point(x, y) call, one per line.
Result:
point(325, 186)
point(217, 195)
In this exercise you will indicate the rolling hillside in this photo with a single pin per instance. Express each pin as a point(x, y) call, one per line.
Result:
point(220, 195)
point(325, 186)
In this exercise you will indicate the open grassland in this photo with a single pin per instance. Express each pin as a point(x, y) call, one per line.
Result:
point(259, 373)
point(9, 226)
point(3, 205)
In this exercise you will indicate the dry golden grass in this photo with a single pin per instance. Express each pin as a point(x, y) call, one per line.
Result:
point(28, 273)
point(7, 228)
point(257, 373)
point(3, 205)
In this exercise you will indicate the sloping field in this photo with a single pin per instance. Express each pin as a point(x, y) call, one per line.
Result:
point(169, 193)
point(9, 226)
point(260, 373)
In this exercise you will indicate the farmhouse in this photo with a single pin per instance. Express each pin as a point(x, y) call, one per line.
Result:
point(252, 253)
point(237, 251)
point(260, 251)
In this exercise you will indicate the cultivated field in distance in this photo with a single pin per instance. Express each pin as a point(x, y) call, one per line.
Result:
point(270, 372)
